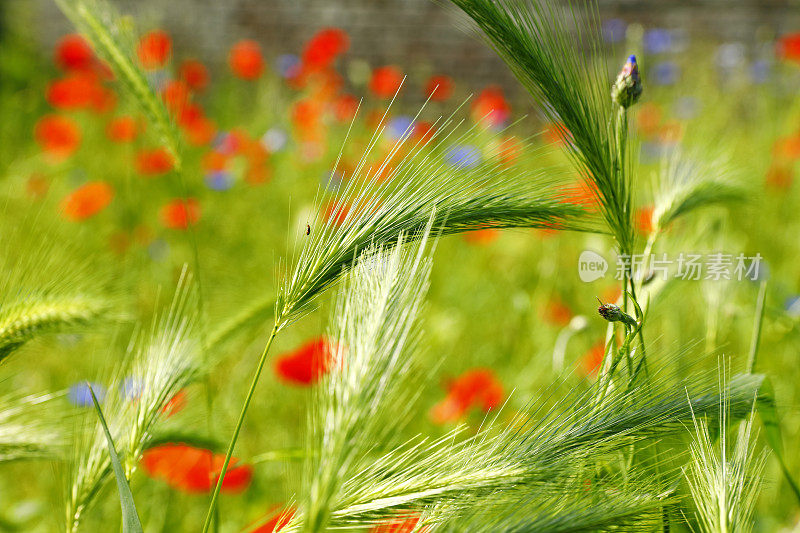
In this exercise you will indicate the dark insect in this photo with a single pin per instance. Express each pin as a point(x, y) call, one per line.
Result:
point(308, 229)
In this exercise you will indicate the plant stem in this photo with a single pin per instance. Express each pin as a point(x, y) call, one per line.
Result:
point(758, 321)
point(239, 422)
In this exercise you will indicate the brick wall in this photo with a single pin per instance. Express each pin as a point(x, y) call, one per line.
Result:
point(419, 35)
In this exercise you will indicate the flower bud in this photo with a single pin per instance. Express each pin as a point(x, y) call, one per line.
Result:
point(628, 87)
point(613, 313)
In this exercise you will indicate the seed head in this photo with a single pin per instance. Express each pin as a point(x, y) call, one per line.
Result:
point(628, 87)
point(613, 313)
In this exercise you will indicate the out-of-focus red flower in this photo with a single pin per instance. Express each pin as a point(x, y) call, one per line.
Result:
point(611, 294)
point(154, 162)
point(423, 132)
point(276, 521)
point(87, 200)
point(76, 91)
point(509, 150)
point(557, 134)
point(491, 107)
point(557, 312)
point(385, 81)
point(401, 524)
point(58, 136)
point(345, 107)
point(582, 194)
point(123, 129)
point(324, 47)
point(648, 119)
point(245, 60)
point(180, 214)
point(307, 364)
point(478, 388)
point(481, 236)
point(306, 118)
point(194, 470)
point(779, 176)
point(201, 132)
point(787, 148)
point(214, 161)
point(788, 47)
point(175, 95)
point(644, 219)
point(176, 404)
point(336, 212)
point(154, 49)
point(72, 52)
point(591, 360)
point(194, 74)
point(439, 88)
point(670, 132)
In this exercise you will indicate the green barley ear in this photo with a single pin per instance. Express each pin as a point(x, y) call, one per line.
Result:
point(160, 362)
point(378, 203)
point(30, 428)
point(556, 55)
point(375, 338)
point(688, 181)
point(113, 41)
point(724, 483)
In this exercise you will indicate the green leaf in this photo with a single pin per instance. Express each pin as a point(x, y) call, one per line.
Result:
point(130, 518)
point(772, 429)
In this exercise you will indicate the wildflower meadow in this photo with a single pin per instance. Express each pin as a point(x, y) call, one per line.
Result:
point(291, 290)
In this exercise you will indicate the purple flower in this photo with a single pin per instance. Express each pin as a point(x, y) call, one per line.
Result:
point(80, 396)
point(463, 156)
point(657, 40)
point(219, 180)
point(400, 127)
point(225, 143)
point(614, 30)
point(132, 387)
point(759, 71)
point(792, 306)
point(666, 73)
point(274, 139)
point(686, 107)
point(288, 65)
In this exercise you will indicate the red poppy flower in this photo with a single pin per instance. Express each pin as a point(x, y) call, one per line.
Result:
point(478, 388)
point(644, 219)
point(439, 88)
point(385, 81)
point(557, 313)
point(87, 200)
point(123, 129)
point(336, 212)
point(779, 176)
point(175, 404)
point(307, 119)
point(481, 236)
point(787, 147)
point(175, 95)
point(557, 134)
point(154, 49)
point(345, 107)
point(194, 74)
point(194, 470)
point(509, 150)
point(180, 214)
point(648, 119)
point(307, 364)
point(154, 162)
point(401, 524)
point(58, 136)
point(788, 47)
point(591, 361)
point(423, 132)
point(670, 132)
point(201, 131)
point(490, 107)
point(76, 91)
point(245, 60)
point(582, 194)
point(214, 161)
point(74, 53)
point(324, 47)
point(276, 521)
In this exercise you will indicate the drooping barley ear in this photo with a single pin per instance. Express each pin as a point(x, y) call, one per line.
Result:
point(111, 40)
point(25, 319)
point(555, 53)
